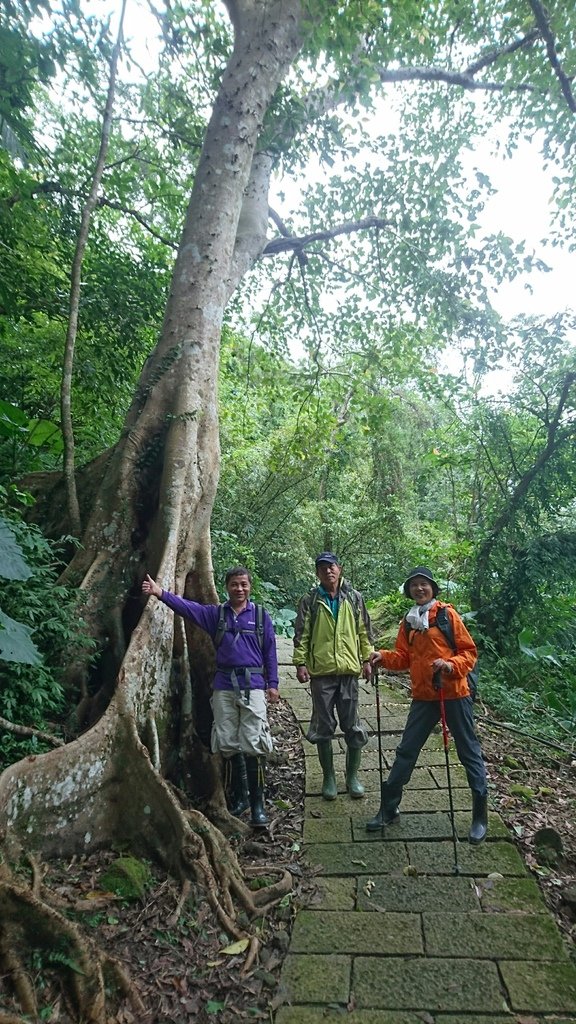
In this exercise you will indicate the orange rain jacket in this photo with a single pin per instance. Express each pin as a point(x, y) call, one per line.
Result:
point(417, 650)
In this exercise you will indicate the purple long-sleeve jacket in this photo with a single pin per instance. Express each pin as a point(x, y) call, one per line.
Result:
point(236, 650)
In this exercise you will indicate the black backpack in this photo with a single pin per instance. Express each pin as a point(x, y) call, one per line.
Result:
point(444, 624)
point(258, 630)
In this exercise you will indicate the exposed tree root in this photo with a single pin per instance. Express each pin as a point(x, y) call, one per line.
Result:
point(30, 924)
point(156, 825)
point(184, 894)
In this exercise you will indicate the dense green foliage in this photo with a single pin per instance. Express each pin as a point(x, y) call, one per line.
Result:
point(376, 435)
point(31, 691)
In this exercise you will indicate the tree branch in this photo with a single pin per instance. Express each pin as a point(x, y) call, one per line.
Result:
point(461, 78)
point(543, 22)
point(102, 201)
point(24, 730)
point(494, 55)
point(295, 243)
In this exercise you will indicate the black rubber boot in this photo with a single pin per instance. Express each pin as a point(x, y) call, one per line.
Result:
point(388, 813)
point(329, 789)
point(238, 797)
point(353, 784)
point(255, 769)
point(479, 826)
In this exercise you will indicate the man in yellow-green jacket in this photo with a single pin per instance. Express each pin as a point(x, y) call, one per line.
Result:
point(332, 646)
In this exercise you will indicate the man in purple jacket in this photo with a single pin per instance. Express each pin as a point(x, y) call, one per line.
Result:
point(246, 677)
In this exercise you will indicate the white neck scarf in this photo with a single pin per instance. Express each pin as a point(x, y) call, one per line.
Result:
point(417, 617)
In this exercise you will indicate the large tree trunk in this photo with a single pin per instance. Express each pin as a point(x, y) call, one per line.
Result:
point(151, 509)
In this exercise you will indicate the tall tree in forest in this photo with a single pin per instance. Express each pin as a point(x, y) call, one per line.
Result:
point(293, 72)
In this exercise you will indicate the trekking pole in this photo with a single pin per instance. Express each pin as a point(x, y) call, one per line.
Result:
point(379, 727)
point(437, 682)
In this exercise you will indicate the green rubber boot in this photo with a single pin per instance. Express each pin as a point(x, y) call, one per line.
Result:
point(329, 790)
point(353, 784)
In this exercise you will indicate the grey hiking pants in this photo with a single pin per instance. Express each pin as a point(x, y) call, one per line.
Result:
point(338, 693)
point(422, 717)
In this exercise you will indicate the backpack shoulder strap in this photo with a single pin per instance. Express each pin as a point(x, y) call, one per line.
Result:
point(313, 606)
point(444, 623)
point(354, 598)
point(220, 628)
point(259, 625)
point(259, 619)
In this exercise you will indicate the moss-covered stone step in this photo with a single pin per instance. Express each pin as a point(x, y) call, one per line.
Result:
point(437, 825)
point(390, 722)
point(425, 801)
point(317, 931)
point(353, 859)
point(334, 830)
point(450, 986)
point(329, 1015)
point(457, 776)
point(437, 858)
point(501, 895)
point(390, 741)
point(437, 758)
point(474, 1018)
point(431, 759)
point(370, 779)
point(409, 826)
point(435, 800)
point(325, 810)
point(540, 988)
point(404, 894)
point(493, 936)
point(312, 978)
point(333, 894)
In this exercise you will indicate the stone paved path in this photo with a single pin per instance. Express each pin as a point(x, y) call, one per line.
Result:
point(394, 935)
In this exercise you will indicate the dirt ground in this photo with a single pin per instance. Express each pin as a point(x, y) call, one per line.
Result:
point(182, 970)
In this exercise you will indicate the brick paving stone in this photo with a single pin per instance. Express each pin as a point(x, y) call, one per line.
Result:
point(390, 741)
point(314, 978)
point(435, 800)
point(338, 830)
point(317, 931)
point(326, 1015)
point(458, 778)
point(350, 859)
point(429, 826)
point(398, 983)
point(438, 858)
point(357, 810)
point(493, 936)
point(333, 894)
point(540, 988)
point(410, 826)
point(415, 895)
point(474, 1018)
point(522, 895)
point(390, 933)
point(437, 759)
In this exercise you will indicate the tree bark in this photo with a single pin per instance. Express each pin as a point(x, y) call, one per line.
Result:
point(152, 507)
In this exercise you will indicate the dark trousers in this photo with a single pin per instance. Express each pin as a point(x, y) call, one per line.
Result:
point(340, 694)
point(422, 717)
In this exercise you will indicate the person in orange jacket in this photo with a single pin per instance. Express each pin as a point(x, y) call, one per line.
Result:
point(423, 648)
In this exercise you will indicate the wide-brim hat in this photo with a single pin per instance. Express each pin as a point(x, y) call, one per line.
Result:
point(421, 570)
